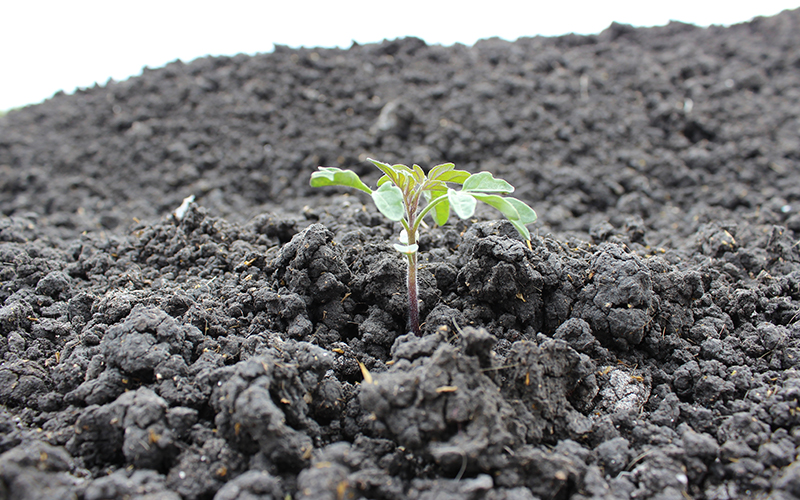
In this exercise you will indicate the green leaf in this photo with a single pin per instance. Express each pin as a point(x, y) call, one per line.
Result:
point(454, 176)
point(499, 203)
point(522, 230)
point(399, 167)
point(441, 211)
point(434, 186)
point(526, 216)
point(516, 211)
point(526, 213)
point(380, 164)
point(403, 178)
point(463, 203)
point(387, 169)
point(484, 182)
point(394, 172)
point(389, 200)
point(440, 169)
point(406, 249)
point(419, 175)
point(332, 176)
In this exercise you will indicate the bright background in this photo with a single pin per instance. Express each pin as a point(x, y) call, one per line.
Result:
point(47, 46)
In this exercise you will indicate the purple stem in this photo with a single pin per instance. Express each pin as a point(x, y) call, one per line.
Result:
point(413, 303)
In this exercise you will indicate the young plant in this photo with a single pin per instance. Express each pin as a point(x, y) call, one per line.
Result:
point(399, 195)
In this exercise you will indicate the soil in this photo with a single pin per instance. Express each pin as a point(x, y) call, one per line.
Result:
point(644, 345)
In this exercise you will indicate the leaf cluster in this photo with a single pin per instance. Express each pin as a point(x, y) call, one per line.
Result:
point(401, 189)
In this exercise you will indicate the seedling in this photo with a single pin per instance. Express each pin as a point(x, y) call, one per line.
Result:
point(400, 191)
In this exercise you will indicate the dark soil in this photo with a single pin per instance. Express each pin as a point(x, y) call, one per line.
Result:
point(645, 345)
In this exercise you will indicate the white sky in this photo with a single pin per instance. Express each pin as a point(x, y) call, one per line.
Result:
point(47, 46)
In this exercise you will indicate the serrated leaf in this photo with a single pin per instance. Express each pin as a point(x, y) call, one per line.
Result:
point(406, 249)
point(419, 175)
point(440, 169)
point(389, 200)
point(387, 169)
point(454, 176)
point(499, 203)
point(403, 178)
point(463, 204)
point(379, 164)
point(332, 176)
point(435, 186)
point(402, 168)
point(383, 180)
point(484, 182)
point(526, 213)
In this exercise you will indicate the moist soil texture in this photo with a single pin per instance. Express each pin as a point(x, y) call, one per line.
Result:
point(253, 343)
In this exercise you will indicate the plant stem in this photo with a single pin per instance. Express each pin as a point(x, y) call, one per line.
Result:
point(413, 303)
